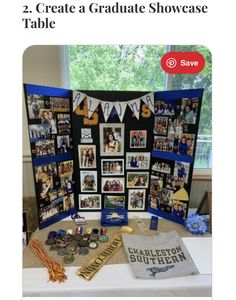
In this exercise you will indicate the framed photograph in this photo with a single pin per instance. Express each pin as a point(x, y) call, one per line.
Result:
point(186, 144)
point(175, 183)
point(65, 167)
point(63, 144)
point(116, 201)
point(137, 179)
point(66, 183)
point(189, 110)
point(175, 127)
point(44, 148)
point(136, 199)
point(165, 144)
point(179, 209)
point(162, 167)
point(112, 167)
point(160, 125)
point(60, 104)
point(153, 201)
point(138, 139)
point(90, 201)
point(63, 123)
point(87, 156)
point(137, 160)
point(48, 120)
point(35, 105)
point(113, 185)
point(88, 181)
point(181, 170)
point(68, 202)
point(111, 139)
point(156, 184)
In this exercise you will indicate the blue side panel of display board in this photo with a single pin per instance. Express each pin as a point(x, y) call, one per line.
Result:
point(172, 95)
point(46, 91)
point(57, 218)
point(172, 156)
point(55, 158)
point(165, 215)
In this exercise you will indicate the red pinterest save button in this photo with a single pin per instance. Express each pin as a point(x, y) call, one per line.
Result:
point(182, 62)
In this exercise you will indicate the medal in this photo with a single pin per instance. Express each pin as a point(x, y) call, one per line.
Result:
point(50, 242)
point(93, 237)
point(93, 245)
point(83, 243)
point(88, 231)
point(95, 231)
point(61, 251)
point(68, 259)
point(83, 251)
point(103, 231)
point(103, 238)
point(86, 237)
point(53, 247)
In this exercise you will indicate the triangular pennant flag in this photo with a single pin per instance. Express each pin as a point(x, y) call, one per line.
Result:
point(149, 101)
point(106, 109)
point(134, 105)
point(180, 195)
point(120, 109)
point(92, 105)
point(78, 97)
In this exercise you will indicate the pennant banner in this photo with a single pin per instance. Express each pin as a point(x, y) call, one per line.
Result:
point(120, 109)
point(134, 105)
point(149, 101)
point(92, 105)
point(78, 97)
point(107, 106)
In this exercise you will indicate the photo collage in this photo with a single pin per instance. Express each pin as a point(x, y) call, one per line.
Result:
point(49, 120)
point(49, 125)
point(124, 169)
point(174, 125)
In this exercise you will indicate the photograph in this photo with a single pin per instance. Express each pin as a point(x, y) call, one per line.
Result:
point(136, 199)
point(88, 181)
point(48, 120)
point(63, 123)
point(65, 167)
point(44, 171)
point(113, 185)
point(137, 160)
point(175, 183)
point(51, 210)
point(166, 197)
point(186, 144)
point(175, 127)
point(167, 108)
point(112, 167)
point(111, 139)
point(87, 156)
point(165, 144)
point(63, 144)
point(161, 166)
point(35, 105)
point(38, 131)
point(44, 148)
point(156, 184)
point(138, 138)
point(153, 201)
point(189, 110)
point(137, 179)
point(179, 209)
point(90, 201)
point(66, 184)
point(160, 125)
point(60, 104)
point(181, 170)
point(114, 201)
point(68, 202)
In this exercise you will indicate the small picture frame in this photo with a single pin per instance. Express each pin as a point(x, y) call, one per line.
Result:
point(137, 180)
point(111, 139)
point(138, 160)
point(114, 185)
point(90, 202)
point(87, 156)
point(112, 167)
point(114, 201)
point(136, 199)
point(88, 181)
point(138, 139)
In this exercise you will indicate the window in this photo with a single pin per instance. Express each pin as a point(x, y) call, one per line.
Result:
point(133, 67)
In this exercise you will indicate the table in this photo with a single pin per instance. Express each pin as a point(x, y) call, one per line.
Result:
point(118, 280)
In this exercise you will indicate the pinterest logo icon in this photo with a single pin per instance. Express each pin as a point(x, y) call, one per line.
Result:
point(171, 62)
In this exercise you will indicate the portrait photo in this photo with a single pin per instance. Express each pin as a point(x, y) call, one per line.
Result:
point(68, 202)
point(88, 181)
point(112, 167)
point(161, 166)
point(179, 209)
point(165, 144)
point(87, 156)
point(156, 184)
point(90, 201)
point(111, 139)
point(35, 106)
point(44, 148)
point(153, 201)
point(48, 120)
point(137, 160)
point(63, 144)
point(138, 138)
point(137, 179)
point(65, 167)
point(64, 125)
point(113, 185)
point(160, 125)
point(181, 170)
point(66, 184)
point(136, 199)
point(111, 201)
point(186, 144)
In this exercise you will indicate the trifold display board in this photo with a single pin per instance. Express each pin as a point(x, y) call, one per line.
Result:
point(112, 149)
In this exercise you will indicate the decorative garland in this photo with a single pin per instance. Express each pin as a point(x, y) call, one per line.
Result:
point(56, 270)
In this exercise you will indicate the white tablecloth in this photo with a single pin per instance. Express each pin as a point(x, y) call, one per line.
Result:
point(118, 280)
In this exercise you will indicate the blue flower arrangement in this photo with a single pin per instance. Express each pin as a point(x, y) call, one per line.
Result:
point(196, 224)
